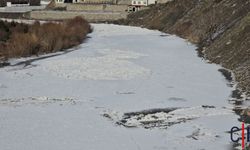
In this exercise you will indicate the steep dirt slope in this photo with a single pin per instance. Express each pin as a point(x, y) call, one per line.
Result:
point(221, 28)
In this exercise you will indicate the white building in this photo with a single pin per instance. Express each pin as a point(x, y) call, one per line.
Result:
point(137, 5)
point(143, 2)
point(66, 1)
point(59, 1)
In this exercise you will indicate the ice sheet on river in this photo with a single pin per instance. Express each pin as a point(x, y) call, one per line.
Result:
point(119, 69)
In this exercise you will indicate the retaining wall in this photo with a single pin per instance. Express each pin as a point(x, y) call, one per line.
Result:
point(14, 15)
point(89, 16)
point(97, 7)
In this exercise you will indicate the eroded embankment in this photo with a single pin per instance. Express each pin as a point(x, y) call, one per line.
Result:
point(221, 28)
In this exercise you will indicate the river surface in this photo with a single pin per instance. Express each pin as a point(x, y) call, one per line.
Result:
point(124, 88)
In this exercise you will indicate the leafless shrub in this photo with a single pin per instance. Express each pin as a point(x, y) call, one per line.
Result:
point(26, 40)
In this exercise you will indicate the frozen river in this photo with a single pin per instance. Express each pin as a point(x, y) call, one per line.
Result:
point(77, 101)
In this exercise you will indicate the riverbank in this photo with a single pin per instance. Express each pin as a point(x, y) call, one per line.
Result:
point(23, 40)
point(220, 29)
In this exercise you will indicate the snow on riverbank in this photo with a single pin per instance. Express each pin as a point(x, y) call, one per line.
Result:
point(118, 70)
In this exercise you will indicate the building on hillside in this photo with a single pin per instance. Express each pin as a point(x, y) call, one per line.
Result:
point(67, 1)
point(137, 5)
point(143, 2)
point(4, 3)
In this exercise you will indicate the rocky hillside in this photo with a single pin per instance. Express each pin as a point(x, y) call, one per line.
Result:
point(221, 29)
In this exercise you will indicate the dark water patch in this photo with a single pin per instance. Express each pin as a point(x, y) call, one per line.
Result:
point(236, 94)
point(4, 64)
point(164, 35)
point(207, 106)
point(228, 75)
point(150, 111)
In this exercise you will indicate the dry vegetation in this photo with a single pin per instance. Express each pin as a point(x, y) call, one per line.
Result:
point(22, 40)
